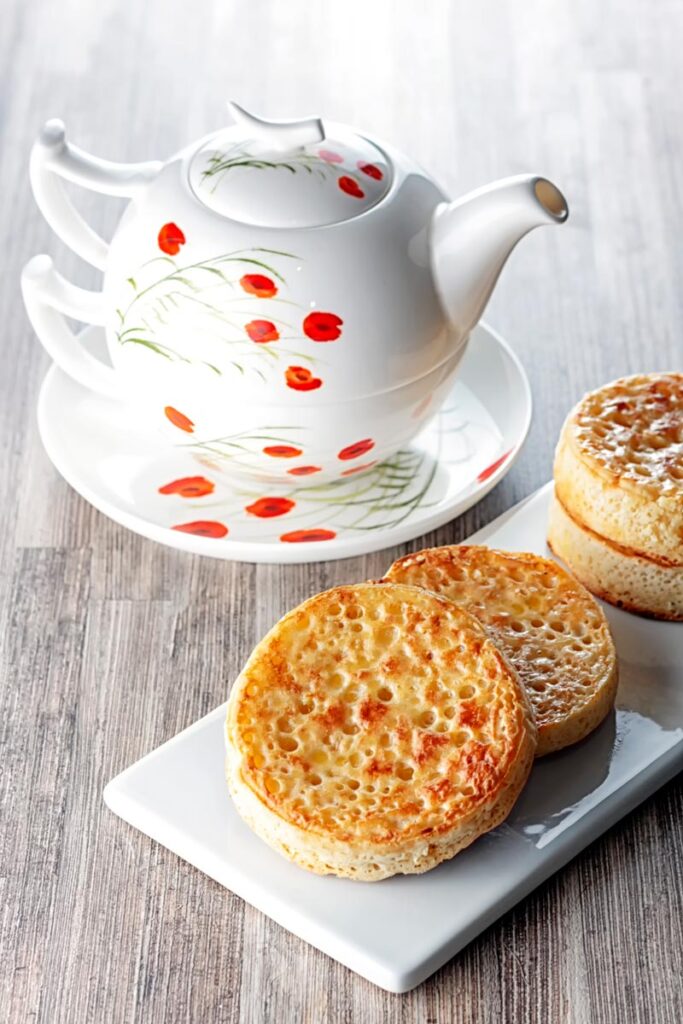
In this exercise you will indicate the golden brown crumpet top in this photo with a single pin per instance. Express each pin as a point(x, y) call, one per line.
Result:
point(619, 465)
point(632, 430)
point(546, 624)
point(374, 716)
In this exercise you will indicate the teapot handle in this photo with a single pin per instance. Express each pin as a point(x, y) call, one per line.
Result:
point(49, 298)
point(52, 158)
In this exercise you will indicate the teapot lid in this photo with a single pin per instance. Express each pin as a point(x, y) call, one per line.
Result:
point(288, 174)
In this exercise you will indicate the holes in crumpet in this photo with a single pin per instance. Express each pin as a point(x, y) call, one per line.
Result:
point(426, 718)
point(386, 635)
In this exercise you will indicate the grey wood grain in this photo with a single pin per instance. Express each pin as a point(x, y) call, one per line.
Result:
point(110, 644)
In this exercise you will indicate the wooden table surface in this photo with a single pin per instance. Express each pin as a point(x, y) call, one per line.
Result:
point(112, 644)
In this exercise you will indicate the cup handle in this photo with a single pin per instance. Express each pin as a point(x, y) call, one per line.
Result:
point(49, 298)
point(53, 158)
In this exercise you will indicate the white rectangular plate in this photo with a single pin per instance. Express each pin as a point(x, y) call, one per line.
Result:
point(397, 932)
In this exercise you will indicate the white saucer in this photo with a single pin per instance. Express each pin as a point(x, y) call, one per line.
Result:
point(94, 442)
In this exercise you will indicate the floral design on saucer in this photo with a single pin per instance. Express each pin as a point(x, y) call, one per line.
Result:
point(375, 496)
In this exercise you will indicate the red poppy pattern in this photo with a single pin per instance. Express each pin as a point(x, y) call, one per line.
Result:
point(359, 469)
point(322, 326)
point(372, 170)
point(301, 379)
point(189, 487)
point(490, 470)
point(330, 157)
point(282, 451)
point(314, 325)
point(259, 285)
point(261, 331)
point(351, 187)
point(179, 419)
point(267, 508)
point(170, 238)
point(203, 528)
point(354, 451)
point(306, 536)
point(304, 470)
point(255, 519)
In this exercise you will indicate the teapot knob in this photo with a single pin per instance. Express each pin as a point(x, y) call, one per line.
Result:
point(282, 136)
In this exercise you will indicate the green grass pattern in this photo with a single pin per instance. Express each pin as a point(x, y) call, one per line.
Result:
point(217, 302)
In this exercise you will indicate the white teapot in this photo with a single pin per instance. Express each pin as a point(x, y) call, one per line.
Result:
point(289, 298)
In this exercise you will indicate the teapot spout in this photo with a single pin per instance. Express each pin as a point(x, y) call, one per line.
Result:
point(472, 238)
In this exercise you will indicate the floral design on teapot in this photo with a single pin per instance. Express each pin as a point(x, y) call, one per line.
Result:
point(244, 451)
point(210, 317)
point(239, 304)
point(326, 164)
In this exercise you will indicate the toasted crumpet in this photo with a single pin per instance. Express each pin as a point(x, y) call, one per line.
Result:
point(623, 578)
point(619, 464)
point(544, 622)
point(376, 730)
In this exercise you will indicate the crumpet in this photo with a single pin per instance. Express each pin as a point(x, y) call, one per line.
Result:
point(545, 623)
point(619, 465)
point(621, 577)
point(376, 730)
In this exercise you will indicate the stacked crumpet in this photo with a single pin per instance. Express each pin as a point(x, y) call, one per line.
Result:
point(380, 728)
point(617, 515)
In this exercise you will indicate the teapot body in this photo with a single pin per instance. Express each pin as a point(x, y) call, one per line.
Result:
point(285, 298)
point(298, 342)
